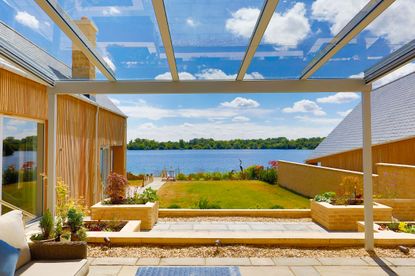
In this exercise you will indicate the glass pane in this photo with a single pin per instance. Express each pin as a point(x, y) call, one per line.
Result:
point(22, 184)
point(297, 31)
point(391, 30)
point(128, 37)
point(25, 18)
point(210, 37)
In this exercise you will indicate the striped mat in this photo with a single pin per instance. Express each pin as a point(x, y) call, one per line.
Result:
point(188, 271)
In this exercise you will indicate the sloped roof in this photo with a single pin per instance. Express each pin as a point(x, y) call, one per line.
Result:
point(393, 118)
point(54, 67)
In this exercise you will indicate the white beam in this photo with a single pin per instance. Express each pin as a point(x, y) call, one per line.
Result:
point(261, 26)
point(391, 62)
point(207, 87)
point(361, 20)
point(160, 11)
point(51, 172)
point(367, 171)
point(65, 23)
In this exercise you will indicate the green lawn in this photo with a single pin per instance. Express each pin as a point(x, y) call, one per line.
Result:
point(243, 194)
point(22, 195)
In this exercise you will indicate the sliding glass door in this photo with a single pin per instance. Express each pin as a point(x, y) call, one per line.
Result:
point(22, 144)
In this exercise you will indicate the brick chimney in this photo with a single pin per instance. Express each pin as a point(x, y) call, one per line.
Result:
point(82, 68)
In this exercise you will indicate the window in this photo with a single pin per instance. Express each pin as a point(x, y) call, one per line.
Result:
point(22, 164)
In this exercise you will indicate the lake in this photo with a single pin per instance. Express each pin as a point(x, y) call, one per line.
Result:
point(190, 161)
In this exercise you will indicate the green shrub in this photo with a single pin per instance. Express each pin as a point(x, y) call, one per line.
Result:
point(181, 177)
point(149, 195)
point(46, 224)
point(276, 206)
point(325, 197)
point(75, 219)
point(10, 175)
point(268, 175)
point(174, 206)
point(204, 203)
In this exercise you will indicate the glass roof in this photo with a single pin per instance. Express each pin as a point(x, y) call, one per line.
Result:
point(27, 19)
point(383, 36)
point(297, 31)
point(128, 37)
point(210, 38)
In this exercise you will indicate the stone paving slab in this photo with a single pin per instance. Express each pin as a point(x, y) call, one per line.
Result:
point(114, 261)
point(265, 271)
point(296, 261)
point(182, 261)
point(261, 261)
point(228, 261)
point(304, 270)
point(148, 261)
point(107, 270)
point(351, 270)
point(402, 261)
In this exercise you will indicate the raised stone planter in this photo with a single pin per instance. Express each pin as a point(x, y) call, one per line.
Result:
point(403, 209)
point(345, 217)
point(146, 213)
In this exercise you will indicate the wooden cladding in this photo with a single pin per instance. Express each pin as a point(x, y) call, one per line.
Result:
point(76, 147)
point(22, 97)
point(400, 152)
point(111, 128)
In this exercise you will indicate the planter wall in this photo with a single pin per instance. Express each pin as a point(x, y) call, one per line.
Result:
point(146, 213)
point(345, 217)
point(58, 250)
point(403, 209)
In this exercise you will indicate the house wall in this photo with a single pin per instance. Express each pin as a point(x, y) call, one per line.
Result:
point(399, 152)
point(77, 138)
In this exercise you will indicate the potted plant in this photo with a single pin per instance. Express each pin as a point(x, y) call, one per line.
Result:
point(75, 221)
point(65, 236)
point(118, 206)
point(46, 227)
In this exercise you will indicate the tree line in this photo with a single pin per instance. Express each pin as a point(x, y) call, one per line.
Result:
point(202, 143)
point(11, 144)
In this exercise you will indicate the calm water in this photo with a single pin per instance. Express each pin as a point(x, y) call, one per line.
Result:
point(189, 161)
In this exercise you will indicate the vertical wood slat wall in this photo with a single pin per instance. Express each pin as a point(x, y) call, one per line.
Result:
point(399, 152)
point(76, 139)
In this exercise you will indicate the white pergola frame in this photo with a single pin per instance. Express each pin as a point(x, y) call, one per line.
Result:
point(304, 85)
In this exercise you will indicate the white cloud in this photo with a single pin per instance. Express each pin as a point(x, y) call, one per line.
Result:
point(27, 20)
point(284, 29)
point(142, 110)
point(305, 106)
point(115, 101)
point(208, 74)
point(397, 23)
point(225, 131)
point(240, 102)
point(147, 126)
point(404, 70)
point(337, 13)
point(109, 62)
point(339, 98)
point(111, 11)
point(182, 76)
point(344, 113)
point(320, 121)
point(240, 119)
point(191, 22)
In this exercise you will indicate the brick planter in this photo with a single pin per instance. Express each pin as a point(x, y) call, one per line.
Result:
point(345, 217)
point(403, 209)
point(146, 213)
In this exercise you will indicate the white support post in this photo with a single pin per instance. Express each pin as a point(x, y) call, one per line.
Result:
point(51, 172)
point(367, 170)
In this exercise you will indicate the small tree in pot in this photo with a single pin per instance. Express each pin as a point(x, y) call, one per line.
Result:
point(116, 188)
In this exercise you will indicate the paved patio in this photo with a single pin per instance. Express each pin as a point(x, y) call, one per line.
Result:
point(265, 266)
point(237, 226)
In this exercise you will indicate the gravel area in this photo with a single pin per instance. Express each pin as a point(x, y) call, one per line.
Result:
point(243, 219)
point(236, 251)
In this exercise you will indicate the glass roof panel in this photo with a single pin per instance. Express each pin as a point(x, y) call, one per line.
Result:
point(391, 30)
point(128, 37)
point(48, 46)
point(210, 37)
point(297, 31)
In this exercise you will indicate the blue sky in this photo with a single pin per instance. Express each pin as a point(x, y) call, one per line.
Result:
point(210, 38)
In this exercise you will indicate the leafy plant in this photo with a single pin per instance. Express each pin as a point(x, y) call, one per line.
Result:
point(325, 197)
point(277, 207)
point(58, 228)
point(75, 219)
point(116, 187)
point(10, 175)
point(174, 206)
point(149, 195)
point(350, 191)
point(46, 224)
point(81, 234)
point(66, 235)
point(204, 203)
